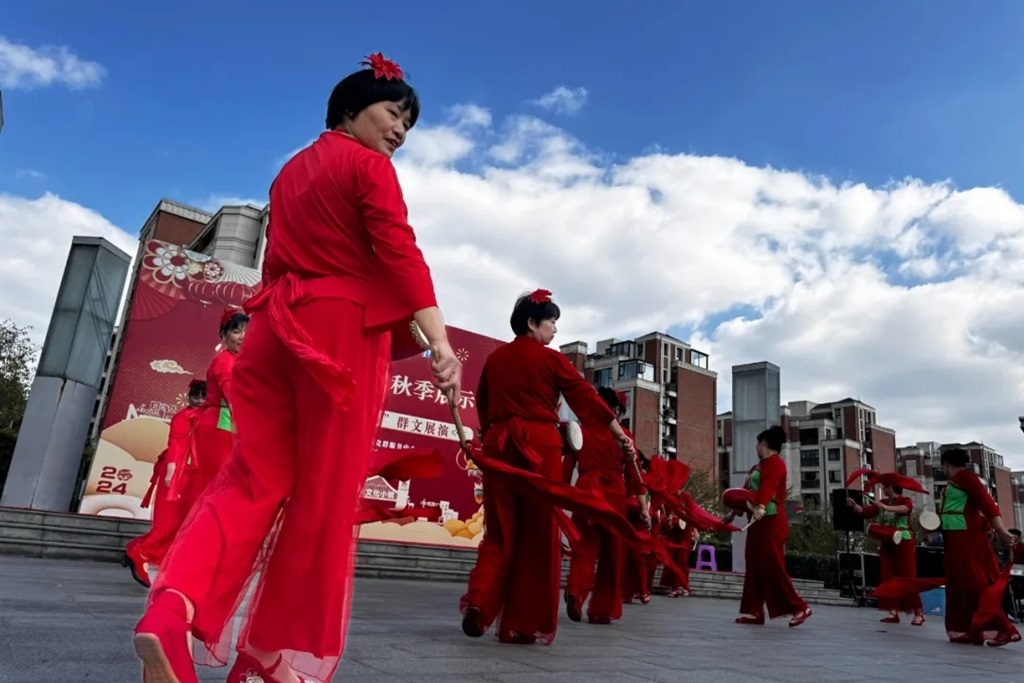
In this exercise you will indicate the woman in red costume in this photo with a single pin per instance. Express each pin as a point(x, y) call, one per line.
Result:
point(215, 428)
point(896, 544)
point(342, 271)
point(517, 574)
point(972, 571)
point(766, 580)
point(604, 468)
point(151, 547)
point(679, 538)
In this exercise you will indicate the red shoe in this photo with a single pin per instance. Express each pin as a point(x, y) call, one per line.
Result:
point(161, 642)
point(999, 640)
point(604, 621)
point(572, 607)
point(800, 618)
point(137, 565)
point(891, 619)
point(471, 624)
point(248, 670)
point(918, 620)
point(645, 598)
point(753, 621)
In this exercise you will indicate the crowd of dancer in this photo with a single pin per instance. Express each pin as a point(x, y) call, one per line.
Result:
point(270, 456)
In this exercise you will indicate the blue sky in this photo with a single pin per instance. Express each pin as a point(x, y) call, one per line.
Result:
point(201, 99)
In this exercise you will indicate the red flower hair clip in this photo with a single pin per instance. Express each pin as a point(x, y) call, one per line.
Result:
point(226, 316)
point(623, 399)
point(540, 296)
point(383, 67)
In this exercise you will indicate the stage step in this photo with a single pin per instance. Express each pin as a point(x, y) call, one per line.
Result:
point(69, 536)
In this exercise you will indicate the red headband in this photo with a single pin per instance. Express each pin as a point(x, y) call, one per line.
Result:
point(623, 399)
point(540, 296)
point(383, 67)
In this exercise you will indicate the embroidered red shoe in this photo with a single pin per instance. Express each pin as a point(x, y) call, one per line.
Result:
point(162, 642)
point(891, 619)
point(800, 618)
point(247, 669)
point(751, 620)
point(572, 607)
point(137, 565)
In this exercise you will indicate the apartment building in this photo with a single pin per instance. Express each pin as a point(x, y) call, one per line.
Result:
point(672, 393)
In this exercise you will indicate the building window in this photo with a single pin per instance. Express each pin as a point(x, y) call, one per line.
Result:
point(679, 353)
point(603, 377)
point(622, 349)
point(664, 349)
point(835, 477)
point(809, 437)
point(809, 458)
point(699, 359)
point(833, 455)
point(664, 376)
point(636, 369)
point(810, 480)
point(837, 414)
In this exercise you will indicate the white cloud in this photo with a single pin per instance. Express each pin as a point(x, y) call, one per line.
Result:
point(909, 296)
point(22, 66)
point(29, 174)
point(563, 100)
point(35, 238)
point(214, 202)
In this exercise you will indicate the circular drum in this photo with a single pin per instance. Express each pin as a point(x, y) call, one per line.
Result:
point(930, 521)
point(737, 499)
point(572, 436)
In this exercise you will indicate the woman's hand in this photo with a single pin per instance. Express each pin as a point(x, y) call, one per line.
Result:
point(758, 513)
point(170, 474)
point(446, 367)
point(626, 444)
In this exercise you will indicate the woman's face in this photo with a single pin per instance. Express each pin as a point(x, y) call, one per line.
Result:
point(544, 332)
point(381, 127)
point(233, 339)
point(888, 492)
point(196, 400)
point(762, 450)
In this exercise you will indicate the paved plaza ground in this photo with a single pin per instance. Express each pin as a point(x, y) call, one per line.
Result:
point(70, 622)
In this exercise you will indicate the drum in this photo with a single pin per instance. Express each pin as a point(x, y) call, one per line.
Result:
point(930, 521)
point(572, 436)
point(885, 534)
point(737, 499)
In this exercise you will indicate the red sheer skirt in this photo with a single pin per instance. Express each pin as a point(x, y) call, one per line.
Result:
point(899, 561)
point(766, 580)
point(283, 509)
point(971, 568)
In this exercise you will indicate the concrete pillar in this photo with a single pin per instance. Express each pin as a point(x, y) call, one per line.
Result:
point(51, 441)
point(755, 407)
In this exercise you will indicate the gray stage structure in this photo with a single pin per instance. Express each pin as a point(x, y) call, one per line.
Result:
point(51, 441)
point(756, 398)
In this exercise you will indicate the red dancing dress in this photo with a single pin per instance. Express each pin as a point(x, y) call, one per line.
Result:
point(151, 547)
point(766, 580)
point(518, 569)
point(214, 435)
point(342, 271)
point(896, 560)
point(679, 542)
point(605, 469)
point(972, 570)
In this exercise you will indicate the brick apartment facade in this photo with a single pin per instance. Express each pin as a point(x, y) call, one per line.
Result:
point(672, 393)
point(827, 441)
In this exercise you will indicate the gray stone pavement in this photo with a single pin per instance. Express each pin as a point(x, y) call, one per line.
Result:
point(69, 622)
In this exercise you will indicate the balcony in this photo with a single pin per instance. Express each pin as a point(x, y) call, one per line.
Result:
point(670, 390)
point(669, 416)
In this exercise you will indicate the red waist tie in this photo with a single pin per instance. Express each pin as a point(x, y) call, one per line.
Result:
point(288, 291)
point(558, 493)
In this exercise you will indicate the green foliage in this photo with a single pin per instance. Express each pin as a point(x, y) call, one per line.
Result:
point(17, 365)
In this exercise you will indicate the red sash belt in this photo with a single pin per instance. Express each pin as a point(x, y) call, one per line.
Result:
point(560, 494)
point(290, 291)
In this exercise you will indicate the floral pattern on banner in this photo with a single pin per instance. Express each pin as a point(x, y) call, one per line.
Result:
point(179, 274)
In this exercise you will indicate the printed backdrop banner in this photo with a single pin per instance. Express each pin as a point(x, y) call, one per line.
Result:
point(170, 337)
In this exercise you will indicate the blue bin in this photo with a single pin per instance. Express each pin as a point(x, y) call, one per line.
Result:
point(934, 602)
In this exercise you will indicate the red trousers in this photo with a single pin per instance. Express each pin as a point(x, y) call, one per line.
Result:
point(167, 517)
point(518, 569)
point(681, 556)
point(638, 566)
point(285, 503)
point(597, 546)
point(766, 580)
point(895, 561)
point(213, 448)
point(971, 568)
